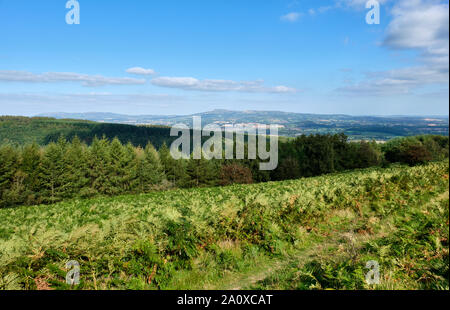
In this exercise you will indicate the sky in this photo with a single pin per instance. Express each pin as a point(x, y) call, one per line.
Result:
point(166, 57)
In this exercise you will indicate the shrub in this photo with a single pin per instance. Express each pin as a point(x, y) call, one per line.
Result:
point(416, 150)
point(235, 174)
point(415, 154)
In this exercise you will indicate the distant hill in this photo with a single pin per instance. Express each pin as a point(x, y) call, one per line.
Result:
point(41, 130)
point(292, 124)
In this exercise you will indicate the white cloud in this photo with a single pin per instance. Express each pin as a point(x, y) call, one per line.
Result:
point(141, 71)
point(55, 77)
point(190, 83)
point(291, 17)
point(418, 25)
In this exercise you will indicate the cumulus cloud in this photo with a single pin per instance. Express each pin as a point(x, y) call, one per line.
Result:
point(291, 17)
point(190, 83)
point(420, 25)
point(141, 71)
point(417, 25)
point(55, 77)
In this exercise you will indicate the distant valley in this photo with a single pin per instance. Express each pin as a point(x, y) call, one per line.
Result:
point(379, 128)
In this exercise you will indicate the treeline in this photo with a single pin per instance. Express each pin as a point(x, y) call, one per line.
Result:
point(313, 155)
point(32, 174)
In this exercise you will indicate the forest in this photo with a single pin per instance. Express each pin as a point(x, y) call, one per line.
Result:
point(31, 174)
point(21, 130)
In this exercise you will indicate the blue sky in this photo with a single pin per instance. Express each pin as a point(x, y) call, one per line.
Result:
point(182, 57)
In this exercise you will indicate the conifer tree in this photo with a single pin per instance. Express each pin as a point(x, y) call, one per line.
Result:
point(52, 172)
point(175, 170)
point(150, 169)
point(139, 183)
point(9, 163)
point(76, 163)
point(154, 165)
point(98, 166)
point(201, 172)
point(168, 163)
point(117, 167)
point(30, 165)
point(130, 169)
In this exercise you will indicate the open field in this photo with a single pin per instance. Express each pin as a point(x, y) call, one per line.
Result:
point(312, 233)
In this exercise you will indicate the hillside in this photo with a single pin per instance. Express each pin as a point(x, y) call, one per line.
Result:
point(293, 124)
point(312, 233)
point(40, 130)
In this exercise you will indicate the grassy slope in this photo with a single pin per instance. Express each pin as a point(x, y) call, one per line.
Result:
point(302, 234)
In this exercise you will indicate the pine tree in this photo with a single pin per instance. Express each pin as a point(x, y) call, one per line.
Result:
point(201, 172)
point(175, 170)
point(98, 166)
point(154, 165)
point(52, 172)
point(76, 168)
point(130, 169)
point(150, 169)
point(168, 163)
point(9, 163)
point(30, 165)
point(117, 167)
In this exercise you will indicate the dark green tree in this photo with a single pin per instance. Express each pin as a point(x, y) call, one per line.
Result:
point(175, 170)
point(129, 162)
point(52, 172)
point(151, 170)
point(76, 164)
point(9, 164)
point(30, 165)
point(99, 167)
point(201, 172)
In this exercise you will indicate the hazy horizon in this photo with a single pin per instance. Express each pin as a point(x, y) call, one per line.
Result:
point(243, 111)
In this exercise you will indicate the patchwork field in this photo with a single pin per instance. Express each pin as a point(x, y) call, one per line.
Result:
point(312, 233)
